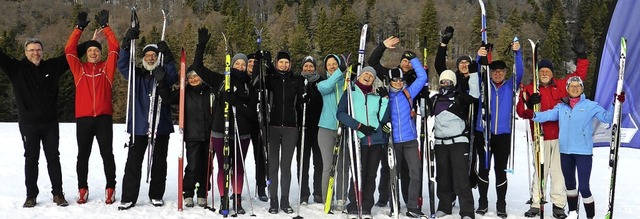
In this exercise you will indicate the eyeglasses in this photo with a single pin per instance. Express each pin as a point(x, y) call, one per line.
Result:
point(397, 79)
point(463, 62)
point(446, 82)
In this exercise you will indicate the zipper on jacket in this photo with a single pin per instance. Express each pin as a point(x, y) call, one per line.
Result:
point(366, 115)
point(495, 127)
point(283, 103)
point(93, 90)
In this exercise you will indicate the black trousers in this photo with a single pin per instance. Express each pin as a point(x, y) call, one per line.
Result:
point(370, 160)
point(383, 186)
point(500, 150)
point(310, 145)
point(100, 127)
point(259, 158)
point(196, 170)
point(452, 177)
point(49, 134)
point(133, 169)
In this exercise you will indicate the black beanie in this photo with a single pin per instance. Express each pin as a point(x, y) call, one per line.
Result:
point(150, 47)
point(545, 63)
point(407, 54)
point(463, 58)
point(93, 43)
point(283, 54)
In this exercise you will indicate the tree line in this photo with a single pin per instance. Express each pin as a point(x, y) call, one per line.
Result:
point(308, 27)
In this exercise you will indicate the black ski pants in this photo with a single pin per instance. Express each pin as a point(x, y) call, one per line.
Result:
point(133, 168)
point(49, 134)
point(370, 160)
point(259, 158)
point(410, 153)
point(452, 177)
point(282, 145)
point(100, 127)
point(500, 150)
point(197, 169)
point(310, 145)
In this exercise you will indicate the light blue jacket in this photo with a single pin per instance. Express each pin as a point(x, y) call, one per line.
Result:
point(331, 90)
point(370, 109)
point(403, 126)
point(576, 125)
point(501, 102)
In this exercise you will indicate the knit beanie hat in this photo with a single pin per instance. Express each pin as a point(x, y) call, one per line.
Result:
point(283, 54)
point(336, 57)
point(545, 63)
point(149, 47)
point(251, 56)
point(575, 79)
point(368, 69)
point(309, 59)
point(498, 64)
point(467, 58)
point(395, 73)
point(93, 43)
point(448, 75)
point(239, 56)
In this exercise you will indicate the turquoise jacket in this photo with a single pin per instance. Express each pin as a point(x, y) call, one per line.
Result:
point(370, 110)
point(331, 90)
point(576, 124)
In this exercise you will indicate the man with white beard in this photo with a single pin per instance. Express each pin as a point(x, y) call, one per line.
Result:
point(145, 79)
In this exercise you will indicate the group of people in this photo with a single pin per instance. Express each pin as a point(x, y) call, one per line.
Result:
point(378, 104)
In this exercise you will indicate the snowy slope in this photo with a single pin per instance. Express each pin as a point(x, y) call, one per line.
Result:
point(13, 192)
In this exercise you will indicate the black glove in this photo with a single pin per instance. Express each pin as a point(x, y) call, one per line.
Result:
point(203, 36)
point(166, 52)
point(342, 66)
point(158, 73)
point(260, 54)
point(382, 92)
point(82, 21)
point(354, 67)
point(103, 18)
point(473, 67)
point(365, 129)
point(408, 55)
point(446, 34)
point(484, 60)
point(229, 97)
point(387, 128)
point(424, 93)
point(533, 100)
point(306, 98)
point(132, 33)
point(579, 48)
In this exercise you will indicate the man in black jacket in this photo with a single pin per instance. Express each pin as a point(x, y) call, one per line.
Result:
point(35, 85)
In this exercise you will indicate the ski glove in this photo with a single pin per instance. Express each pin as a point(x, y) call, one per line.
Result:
point(579, 48)
point(527, 114)
point(229, 97)
point(446, 35)
point(132, 33)
point(82, 21)
point(103, 18)
point(305, 98)
point(387, 128)
point(260, 54)
point(158, 74)
point(166, 52)
point(408, 55)
point(533, 100)
point(365, 129)
point(484, 60)
point(203, 36)
point(620, 97)
point(382, 92)
point(473, 67)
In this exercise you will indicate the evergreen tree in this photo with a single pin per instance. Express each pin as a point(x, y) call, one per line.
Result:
point(429, 26)
point(304, 14)
point(554, 45)
point(323, 33)
point(299, 47)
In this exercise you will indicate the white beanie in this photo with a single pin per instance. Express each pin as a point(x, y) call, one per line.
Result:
point(448, 75)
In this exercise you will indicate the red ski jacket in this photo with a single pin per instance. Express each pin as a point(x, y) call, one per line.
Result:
point(550, 95)
point(94, 81)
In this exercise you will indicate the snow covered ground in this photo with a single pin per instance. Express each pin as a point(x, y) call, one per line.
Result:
point(13, 192)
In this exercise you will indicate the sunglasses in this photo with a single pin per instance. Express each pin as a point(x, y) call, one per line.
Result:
point(446, 82)
point(397, 79)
